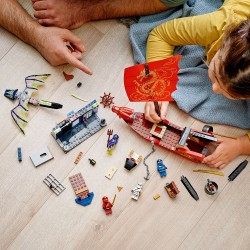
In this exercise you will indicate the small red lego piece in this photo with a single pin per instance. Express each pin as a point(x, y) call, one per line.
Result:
point(107, 100)
point(109, 133)
point(67, 76)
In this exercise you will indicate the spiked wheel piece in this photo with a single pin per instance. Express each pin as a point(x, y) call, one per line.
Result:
point(107, 100)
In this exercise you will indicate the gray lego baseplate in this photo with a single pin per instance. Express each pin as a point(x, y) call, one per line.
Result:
point(78, 126)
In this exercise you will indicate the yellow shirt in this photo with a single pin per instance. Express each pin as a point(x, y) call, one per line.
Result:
point(204, 30)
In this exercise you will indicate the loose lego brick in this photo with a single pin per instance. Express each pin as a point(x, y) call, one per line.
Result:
point(135, 156)
point(109, 133)
point(107, 100)
point(68, 76)
point(54, 184)
point(78, 158)
point(79, 98)
point(209, 171)
point(110, 173)
point(172, 189)
point(189, 187)
point(238, 170)
point(41, 156)
point(79, 186)
point(79, 84)
point(19, 154)
point(156, 196)
point(92, 162)
point(86, 201)
point(133, 160)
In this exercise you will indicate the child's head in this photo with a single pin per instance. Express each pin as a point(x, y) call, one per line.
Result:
point(230, 68)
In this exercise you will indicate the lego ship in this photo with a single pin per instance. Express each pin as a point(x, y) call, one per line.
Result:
point(187, 142)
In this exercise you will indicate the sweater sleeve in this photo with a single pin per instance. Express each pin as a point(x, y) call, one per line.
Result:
point(173, 3)
point(200, 30)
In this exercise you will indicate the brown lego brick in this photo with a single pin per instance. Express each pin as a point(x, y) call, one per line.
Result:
point(78, 158)
point(172, 189)
point(79, 186)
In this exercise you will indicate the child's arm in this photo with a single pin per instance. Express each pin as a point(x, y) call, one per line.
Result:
point(181, 31)
point(200, 30)
point(151, 115)
point(227, 151)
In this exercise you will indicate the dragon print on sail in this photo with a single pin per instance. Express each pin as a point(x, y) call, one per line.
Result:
point(154, 81)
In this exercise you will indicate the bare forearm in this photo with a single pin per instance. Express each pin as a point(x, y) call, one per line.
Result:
point(245, 145)
point(105, 9)
point(17, 21)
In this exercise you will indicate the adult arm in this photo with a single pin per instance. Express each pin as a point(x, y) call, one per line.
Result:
point(72, 14)
point(15, 19)
point(50, 42)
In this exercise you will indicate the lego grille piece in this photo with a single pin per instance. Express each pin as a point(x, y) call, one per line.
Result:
point(54, 184)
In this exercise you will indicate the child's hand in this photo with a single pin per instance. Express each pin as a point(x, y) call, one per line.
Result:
point(227, 151)
point(151, 115)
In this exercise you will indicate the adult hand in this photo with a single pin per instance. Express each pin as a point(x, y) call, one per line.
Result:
point(150, 113)
point(227, 150)
point(53, 43)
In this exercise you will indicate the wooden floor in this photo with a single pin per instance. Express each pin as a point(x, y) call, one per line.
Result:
point(33, 217)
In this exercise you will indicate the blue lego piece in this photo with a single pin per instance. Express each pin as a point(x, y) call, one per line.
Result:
point(112, 142)
point(161, 168)
point(85, 202)
point(19, 154)
point(11, 93)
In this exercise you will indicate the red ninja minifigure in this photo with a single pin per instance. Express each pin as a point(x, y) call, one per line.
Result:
point(106, 205)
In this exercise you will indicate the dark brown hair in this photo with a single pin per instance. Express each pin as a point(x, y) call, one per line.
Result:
point(234, 68)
